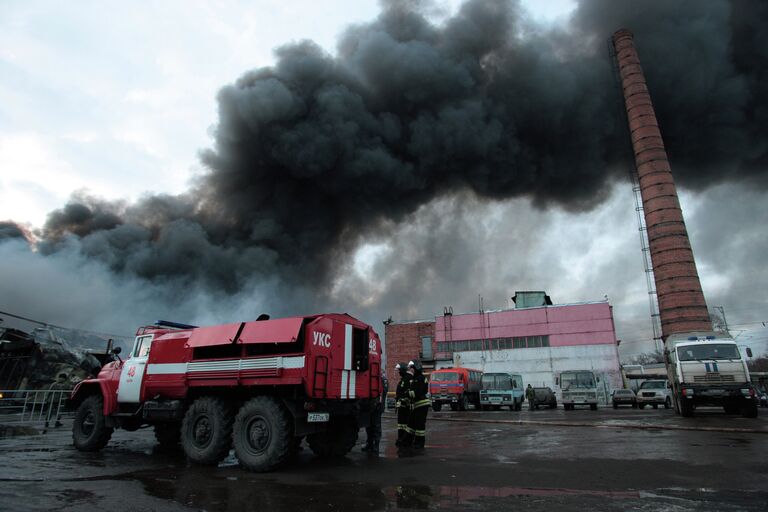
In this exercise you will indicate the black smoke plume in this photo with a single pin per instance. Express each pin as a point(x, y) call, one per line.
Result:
point(320, 152)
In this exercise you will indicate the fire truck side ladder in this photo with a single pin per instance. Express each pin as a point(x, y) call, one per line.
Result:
point(375, 379)
point(321, 369)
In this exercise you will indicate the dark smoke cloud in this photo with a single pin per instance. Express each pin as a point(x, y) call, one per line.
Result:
point(11, 230)
point(318, 153)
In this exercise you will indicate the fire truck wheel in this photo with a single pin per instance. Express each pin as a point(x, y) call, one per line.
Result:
point(463, 403)
point(168, 435)
point(454, 406)
point(436, 407)
point(89, 432)
point(340, 437)
point(263, 435)
point(206, 432)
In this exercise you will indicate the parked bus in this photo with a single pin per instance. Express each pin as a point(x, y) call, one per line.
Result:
point(579, 387)
point(502, 389)
point(457, 387)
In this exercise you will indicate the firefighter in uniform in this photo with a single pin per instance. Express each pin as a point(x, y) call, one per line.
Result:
point(416, 431)
point(402, 402)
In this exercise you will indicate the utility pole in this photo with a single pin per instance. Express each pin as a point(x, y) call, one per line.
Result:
point(722, 313)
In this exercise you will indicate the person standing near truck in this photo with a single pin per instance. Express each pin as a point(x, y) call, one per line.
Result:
point(373, 430)
point(54, 399)
point(530, 395)
point(416, 431)
point(402, 402)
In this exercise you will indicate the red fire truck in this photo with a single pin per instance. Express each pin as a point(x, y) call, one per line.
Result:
point(259, 387)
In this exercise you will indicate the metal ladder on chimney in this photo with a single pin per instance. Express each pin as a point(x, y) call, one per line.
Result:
point(653, 298)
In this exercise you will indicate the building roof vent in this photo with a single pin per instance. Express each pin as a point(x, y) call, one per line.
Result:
point(531, 299)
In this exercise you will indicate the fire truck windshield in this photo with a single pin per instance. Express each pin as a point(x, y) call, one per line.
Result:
point(445, 377)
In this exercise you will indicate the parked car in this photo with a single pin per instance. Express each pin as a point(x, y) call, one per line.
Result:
point(545, 397)
point(623, 397)
point(655, 393)
point(763, 397)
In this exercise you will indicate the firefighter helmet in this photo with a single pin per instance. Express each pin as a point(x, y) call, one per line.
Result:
point(416, 365)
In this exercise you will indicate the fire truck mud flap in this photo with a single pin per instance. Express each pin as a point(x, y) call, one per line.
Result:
point(324, 415)
point(337, 440)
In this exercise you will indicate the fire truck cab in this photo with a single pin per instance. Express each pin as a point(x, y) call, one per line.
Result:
point(260, 387)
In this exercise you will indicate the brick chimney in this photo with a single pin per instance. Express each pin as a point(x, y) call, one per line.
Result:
point(681, 301)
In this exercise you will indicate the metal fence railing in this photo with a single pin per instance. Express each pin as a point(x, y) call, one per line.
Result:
point(36, 407)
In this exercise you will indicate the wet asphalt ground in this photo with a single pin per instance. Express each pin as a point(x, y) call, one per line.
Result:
point(541, 460)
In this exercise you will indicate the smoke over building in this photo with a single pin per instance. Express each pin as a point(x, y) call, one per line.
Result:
point(320, 153)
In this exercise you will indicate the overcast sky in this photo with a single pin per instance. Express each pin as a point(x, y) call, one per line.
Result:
point(119, 101)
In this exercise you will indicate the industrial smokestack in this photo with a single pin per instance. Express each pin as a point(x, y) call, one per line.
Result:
point(681, 301)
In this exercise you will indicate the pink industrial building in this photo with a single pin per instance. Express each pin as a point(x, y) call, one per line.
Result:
point(547, 326)
point(536, 339)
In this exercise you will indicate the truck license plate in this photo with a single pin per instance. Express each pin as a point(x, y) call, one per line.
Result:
point(318, 417)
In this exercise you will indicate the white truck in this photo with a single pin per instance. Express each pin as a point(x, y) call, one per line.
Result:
point(707, 369)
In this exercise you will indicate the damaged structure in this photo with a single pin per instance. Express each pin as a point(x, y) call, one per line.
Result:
point(32, 360)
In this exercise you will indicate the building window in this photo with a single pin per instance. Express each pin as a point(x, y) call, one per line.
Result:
point(545, 341)
point(475, 345)
point(534, 341)
point(426, 347)
point(519, 342)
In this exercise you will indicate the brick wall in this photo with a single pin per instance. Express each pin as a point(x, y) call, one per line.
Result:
point(403, 344)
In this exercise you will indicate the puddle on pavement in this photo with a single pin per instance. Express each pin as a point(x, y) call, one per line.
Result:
point(202, 490)
point(8, 431)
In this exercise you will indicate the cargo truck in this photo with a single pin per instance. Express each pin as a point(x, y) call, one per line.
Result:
point(708, 370)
